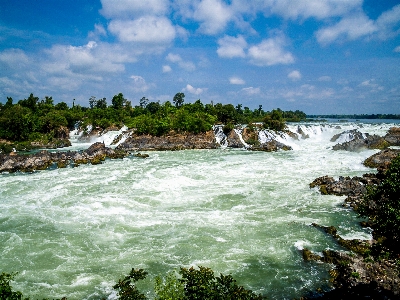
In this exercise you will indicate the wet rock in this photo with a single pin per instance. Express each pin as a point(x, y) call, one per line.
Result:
point(271, 146)
point(44, 159)
point(302, 133)
point(173, 141)
point(393, 136)
point(382, 159)
point(141, 155)
point(360, 141)
point(234, 140)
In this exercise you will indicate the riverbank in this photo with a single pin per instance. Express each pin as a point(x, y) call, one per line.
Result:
point(368, 270)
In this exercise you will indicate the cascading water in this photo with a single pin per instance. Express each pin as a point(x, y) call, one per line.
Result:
point(74, 232)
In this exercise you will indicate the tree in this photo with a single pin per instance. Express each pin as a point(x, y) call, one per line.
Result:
point(101, 103)
point(143, 102)
point(382, 206)
point(274, 120)
point(92, 102)
point(178, 100)
point(118, 101)
point(126, 287)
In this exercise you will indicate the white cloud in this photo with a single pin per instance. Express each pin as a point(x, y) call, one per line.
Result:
point(236, 80)
point(192, 90)
point(139, 84)
point(397, 49)
point(319, 9)
point(230, 47)
point(270, 52)
point(371, 83)
point(213, 16)
point(350, 28)
point(294, 75)
point(98, 31)
point(324, 78)
point(186, 65)
point(129, 8)
point(387, 22)
point(251, 91)
point(147, 29)
point(166, 69)
point(14, 58)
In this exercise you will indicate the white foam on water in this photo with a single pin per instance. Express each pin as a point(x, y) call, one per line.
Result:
point(240, 212)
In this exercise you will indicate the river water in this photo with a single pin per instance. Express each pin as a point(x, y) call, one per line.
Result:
point(75, 231)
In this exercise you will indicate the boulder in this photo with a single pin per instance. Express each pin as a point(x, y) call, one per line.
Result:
point(382, 159)
point(393, 136)
point(361, 141)
point(234, 140)
point(271, 146)
point(173, 141)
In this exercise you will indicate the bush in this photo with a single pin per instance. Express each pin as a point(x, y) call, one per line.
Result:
point(6, 290)
point(382, 206)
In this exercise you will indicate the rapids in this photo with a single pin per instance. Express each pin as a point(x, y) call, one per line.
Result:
point(74, 232)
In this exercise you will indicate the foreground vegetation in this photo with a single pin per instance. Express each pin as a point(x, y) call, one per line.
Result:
point(33, 120)
point(186, 284)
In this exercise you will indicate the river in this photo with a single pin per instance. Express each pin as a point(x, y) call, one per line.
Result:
point(75, 231)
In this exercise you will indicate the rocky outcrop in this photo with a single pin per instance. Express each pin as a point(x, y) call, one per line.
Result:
point(359, 141)
point(271, 146)
point(42, 160)
point(173, 141)
point(393, 136)
point(354, 275)
point(382, 159)
point(234, 140)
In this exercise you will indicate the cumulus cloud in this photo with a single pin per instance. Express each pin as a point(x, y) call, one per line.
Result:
point(318, 9)
point(139, 84)
point(371, 83)
point(270, 52)
point(192, 90)
point(397, 49)
point(294, 75)
point(230, 47)
point(350, 28)
point(147, 29)
point(213, 16)
point(251, 91)
point(129, 8)
point(358, 25)
point(236, 80)
point(324, 78)
point(13, 57)
point(186, 65)
point(166, 69)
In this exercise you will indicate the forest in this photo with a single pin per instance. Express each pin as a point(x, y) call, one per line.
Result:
point(31, 119)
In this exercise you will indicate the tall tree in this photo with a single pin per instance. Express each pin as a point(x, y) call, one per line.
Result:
point(179, 98)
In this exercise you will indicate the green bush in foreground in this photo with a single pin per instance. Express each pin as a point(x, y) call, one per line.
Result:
point(186, 284)
point(382, 206)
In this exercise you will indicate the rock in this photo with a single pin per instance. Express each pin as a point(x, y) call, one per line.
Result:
point(360, 141)
point(234, 140)
point(141, 155)
point(393, 136)
point(173, 141)
point(382, 159)
point(271, 146)
point(42, 160)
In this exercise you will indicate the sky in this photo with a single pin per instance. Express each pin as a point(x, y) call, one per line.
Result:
point(317, 56)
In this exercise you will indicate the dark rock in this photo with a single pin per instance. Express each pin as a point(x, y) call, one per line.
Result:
point(360, 141)
point(271, 146)
point(141, 155)
point(173, 141)
point(393, 136)
point(234, 140)
point(382, 159)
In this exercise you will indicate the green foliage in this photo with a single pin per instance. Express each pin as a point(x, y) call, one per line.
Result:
point(170, 288)
point(126, 288)
point(274, 120)
point(382, 206)
point(178, 100)
point(118, 101)
point(202, 284)
point(6, 290)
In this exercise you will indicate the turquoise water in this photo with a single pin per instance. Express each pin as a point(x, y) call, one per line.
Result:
point(73, 232)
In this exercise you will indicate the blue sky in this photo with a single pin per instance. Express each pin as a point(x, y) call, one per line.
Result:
point(318, 56)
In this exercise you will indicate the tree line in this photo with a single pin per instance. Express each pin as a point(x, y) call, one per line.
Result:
point(33, 119)
point(358, 116)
